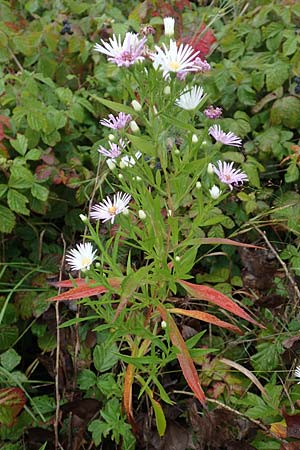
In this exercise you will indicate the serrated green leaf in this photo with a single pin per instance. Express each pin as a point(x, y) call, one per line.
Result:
point(7, 221)
point(34, 154)
point(10, 359)
point(86, 379)
point(3, 189)
point(17, 202)
point(40, 192)
point(20, 144)
point(104, 356)
point(8, 335)
point(36, 120)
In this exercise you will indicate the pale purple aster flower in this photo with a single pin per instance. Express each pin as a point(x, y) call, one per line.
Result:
point(116, 123)
point(108, 209)
point(225, 138)
point(297, 373)
point(202, 65)
point(174, 59)
point(228, 175)
point(191, 98)
point(115, 149)
point(213, 113)
point(123, 54)
point(81, 258)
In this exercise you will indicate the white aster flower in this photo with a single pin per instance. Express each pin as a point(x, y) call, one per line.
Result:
point(191, 98)
point(108, 209)
point(174, 59)
point(169, 23)
point(215, 192)
point(297, 373)
point(81, 258)
point(123, 54)
point(129, 161)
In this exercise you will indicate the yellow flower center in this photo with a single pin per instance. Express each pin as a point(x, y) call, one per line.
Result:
point(86, 261)
point(174, 66)
point(112, 210)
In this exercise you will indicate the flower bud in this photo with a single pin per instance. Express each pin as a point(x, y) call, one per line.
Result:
point(138, 178)
point(210, 169)
point(167, 90)
point(120, 176)
point(111, 163)
point(177, 258)
point(176, 151)
point(111, 137)
point(136, 105)
point(194, 139)
point(198, 185)
point(134, 126)
point(83, 218)
point(142, 214)
point(163, 324)
point(215, 192)
point(169, 23)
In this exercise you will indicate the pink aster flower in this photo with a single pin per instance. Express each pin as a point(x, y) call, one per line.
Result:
point(225, 138)
point(115, 149)
point(108, 209)
point(123, 54)
point(213, 113)
point(118, 122)
point(174, 59)
point(228, 175)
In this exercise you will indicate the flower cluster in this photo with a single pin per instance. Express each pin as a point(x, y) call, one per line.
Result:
point(174, 61)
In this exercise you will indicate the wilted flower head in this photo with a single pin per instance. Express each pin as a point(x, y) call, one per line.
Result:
point(228, 175)
point(116, 123)
point(225, 138)
point(191, 99)
point(174, 59)
point(169, 23)
point(123, 54)
point(129, 161)
point(108, 209)
point(147, 29)
point(202, 65)
point(297, 373)
point(213, 113)
point(81, 257)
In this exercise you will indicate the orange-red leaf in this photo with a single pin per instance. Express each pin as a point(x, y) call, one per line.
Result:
point(76, 282)
point(212, 295)
point(85, 290)
point(127, 395)
point(227, 242)
point(205, 317)
point(186, 363)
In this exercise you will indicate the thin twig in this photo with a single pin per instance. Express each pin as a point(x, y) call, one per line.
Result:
point(282, 263)
point(256, 422)
point(15, 59)
point(57, 394)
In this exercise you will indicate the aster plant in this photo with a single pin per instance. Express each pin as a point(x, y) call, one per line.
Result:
point(156, 205)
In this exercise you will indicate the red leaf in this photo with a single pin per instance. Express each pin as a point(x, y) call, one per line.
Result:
point(85, 290)
point(293, 425)
point(5, 121)
point(12, 401)
point(202, 292)
point(205, 317)
point(186, 363)
point(200, 41)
